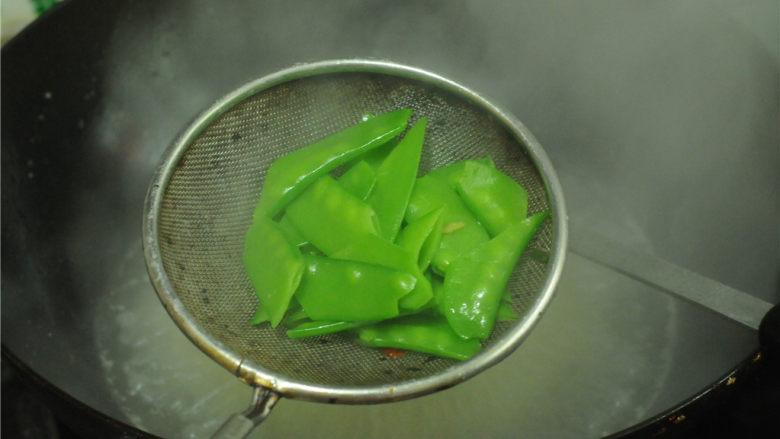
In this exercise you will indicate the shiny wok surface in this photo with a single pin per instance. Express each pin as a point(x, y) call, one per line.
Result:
point(660, 119)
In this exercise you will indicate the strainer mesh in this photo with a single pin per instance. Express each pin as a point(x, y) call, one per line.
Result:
point(210, 197)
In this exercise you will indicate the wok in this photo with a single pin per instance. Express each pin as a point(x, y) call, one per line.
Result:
point(658, 117)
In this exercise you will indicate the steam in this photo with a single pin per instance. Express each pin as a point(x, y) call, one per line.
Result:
point(660, 118)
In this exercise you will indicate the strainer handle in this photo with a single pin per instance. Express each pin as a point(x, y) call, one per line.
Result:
point(240, 425)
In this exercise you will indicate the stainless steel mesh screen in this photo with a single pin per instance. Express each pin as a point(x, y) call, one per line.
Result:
point(209, 201)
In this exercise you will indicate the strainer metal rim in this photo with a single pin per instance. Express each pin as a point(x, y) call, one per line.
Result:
point(252, 373)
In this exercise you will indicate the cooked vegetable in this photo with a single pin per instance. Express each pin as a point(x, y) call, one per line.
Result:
point(422, 237)
point(422, 333)
point(261, 315)
point(421, 295)
point(329, 217)
point(295, 314)
point(398, 261)
point(475, 281)
point(430, 194)
point(495, 199)
point(395, 180)
point(315, 328)
point(334, 289)
point(373, 249)
point(292, 173)
point(291, 232)
point(505, 312)
point(274, 267)
point(453, 172)
point(359, 180)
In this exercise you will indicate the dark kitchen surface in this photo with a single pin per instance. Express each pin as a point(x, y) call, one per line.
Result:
point(660, 118)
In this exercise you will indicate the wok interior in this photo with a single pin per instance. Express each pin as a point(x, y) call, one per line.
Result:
point(209, 200)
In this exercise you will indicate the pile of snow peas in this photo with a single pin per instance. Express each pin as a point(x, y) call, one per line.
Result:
point(394, 260)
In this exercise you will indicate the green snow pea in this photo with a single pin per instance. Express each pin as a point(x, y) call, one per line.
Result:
point(460, 231)
point(419, 296)
point(292, 234)
point(329, 217)
point(376, 156)
point(295, 314)
point(422, 333)
point(319, 327)
point(260, 316)
point(454, 171)
point(290, 174)
point(395, 179)
point(373, 249)
point(475, 282)
point(493, 197)
point(423, 237)
point(274, 267)
point(505, 312)
point(335, 289)
point(359, 179)
point(437, 285)
point(314, 328)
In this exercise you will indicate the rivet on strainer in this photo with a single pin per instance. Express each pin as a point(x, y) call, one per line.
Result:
point(203, 193)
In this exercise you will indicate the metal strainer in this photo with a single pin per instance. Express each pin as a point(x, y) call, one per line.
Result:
point(200, 203)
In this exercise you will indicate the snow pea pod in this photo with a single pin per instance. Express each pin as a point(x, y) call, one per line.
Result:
point(493, 197)
point(295, 314)
point(461, 232)
point(359, 179)
point(395, 179)
point(319, 327)
point(437, 285)
point(329, 217)
point(260, 316)
point(421, 333)
point(275, 268)
point(292, 173)
point(292, 234)
point(475, 282)
point(419, 296)
point(312, 329)
point(505, 312)
point(454, 171)
point(377, 155)
point(373, 249)
point(422, 237)
point(335, 289)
